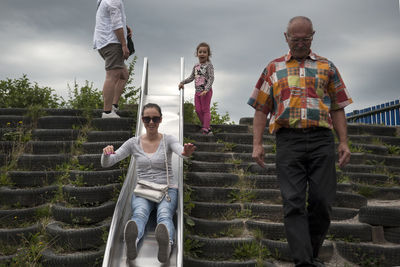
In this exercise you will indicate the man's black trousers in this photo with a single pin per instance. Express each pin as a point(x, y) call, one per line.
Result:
point(305, 162)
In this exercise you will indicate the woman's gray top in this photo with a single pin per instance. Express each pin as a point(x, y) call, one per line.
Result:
point(149, 168)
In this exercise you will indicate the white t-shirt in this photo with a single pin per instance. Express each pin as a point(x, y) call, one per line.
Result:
point(110, 16)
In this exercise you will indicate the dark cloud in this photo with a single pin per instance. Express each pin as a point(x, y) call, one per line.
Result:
point(51, 41)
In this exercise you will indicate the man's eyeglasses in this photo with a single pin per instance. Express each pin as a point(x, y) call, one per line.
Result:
point(148, 119)
point(297, 40)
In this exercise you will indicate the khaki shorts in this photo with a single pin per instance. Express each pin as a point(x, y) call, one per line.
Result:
point(113, 56)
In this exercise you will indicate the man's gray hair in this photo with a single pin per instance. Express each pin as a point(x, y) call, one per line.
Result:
point(299, 18)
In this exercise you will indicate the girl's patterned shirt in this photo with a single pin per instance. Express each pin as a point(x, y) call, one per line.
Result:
point(203, 74)
point(299, 94)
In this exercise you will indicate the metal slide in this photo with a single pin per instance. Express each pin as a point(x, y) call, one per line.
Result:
point(115, 252)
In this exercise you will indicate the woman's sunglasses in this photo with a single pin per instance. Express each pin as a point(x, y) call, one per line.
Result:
point(148, 119)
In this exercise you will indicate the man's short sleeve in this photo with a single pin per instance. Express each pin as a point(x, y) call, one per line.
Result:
point(115, 9)
point(262, 98)
point(337, 91)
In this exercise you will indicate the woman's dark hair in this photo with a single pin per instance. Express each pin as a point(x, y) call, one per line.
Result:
point(152, 105)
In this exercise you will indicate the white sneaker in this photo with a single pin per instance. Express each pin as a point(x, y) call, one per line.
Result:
point(130, 236)
point(164, 246)
point(112, 114)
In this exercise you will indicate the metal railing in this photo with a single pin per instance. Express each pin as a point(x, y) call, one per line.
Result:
point(383, 114)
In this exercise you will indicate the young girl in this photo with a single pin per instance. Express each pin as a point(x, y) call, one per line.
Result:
point(203, 74)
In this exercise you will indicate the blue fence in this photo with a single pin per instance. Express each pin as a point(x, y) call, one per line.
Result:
point(384, 114)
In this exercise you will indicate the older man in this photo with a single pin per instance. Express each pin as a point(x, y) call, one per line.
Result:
point(305, 95)
point(110, 40)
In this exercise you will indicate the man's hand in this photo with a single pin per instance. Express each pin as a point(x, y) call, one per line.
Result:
point(125, 51)
point(340, 125)
point(258, 155)
point(259, 123)
point(344, 154)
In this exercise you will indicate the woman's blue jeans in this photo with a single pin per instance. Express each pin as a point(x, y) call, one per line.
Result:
point(141, 209)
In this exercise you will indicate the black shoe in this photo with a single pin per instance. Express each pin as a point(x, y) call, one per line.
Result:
point(130, 236)
point(164, 246)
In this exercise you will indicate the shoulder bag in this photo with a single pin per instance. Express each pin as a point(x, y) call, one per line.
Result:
point(154, 191)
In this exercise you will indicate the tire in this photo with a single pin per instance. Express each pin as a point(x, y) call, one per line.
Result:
point(211, 194)
point(60, 122)
point(213, 210)
point(392, 234)
point(27, 197)
point(77, 238)
point(33, 178)
point(7, 146)
point(93, 194)
point(122, 124)
point(63, 112)
point(280, 250)
point(263, 181)
point(350, 200)
point(379, 215)
point(93, 178)
point(42, 162)
point(15, 235)
point(359, 231)
point(215, 228)
point(83, 215)
point(221, 248)
point(340, 214)
point(211, 179)
point(108, 136)
point(210, 147)
point(375, 255)
point(93, 161)
point(230, 128)
point(13, 111)
point(55, 134)
point(271, 212)
point(20, 215)
point(87, 258)
point(273, 231)
point(199, 166)
point(97, 147)
point(6, 260)
point(187, 261)
point(14, 120)
point(51, 147)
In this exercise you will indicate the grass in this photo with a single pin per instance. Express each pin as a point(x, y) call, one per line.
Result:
point(253, 250)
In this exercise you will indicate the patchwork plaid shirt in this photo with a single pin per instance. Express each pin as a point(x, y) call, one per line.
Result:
point(299, 94)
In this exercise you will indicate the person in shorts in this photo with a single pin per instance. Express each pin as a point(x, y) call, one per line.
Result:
point(110, 40)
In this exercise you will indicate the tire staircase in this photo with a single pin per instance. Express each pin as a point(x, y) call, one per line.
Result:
point(237, 215)
point(56, 201)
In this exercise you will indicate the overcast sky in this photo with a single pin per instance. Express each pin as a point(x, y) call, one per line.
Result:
point(51, 42)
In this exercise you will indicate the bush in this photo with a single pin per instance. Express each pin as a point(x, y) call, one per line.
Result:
point(85, 97)
point(20, 93)
point(191, 116)
point(216, 118)
point(131, 94)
